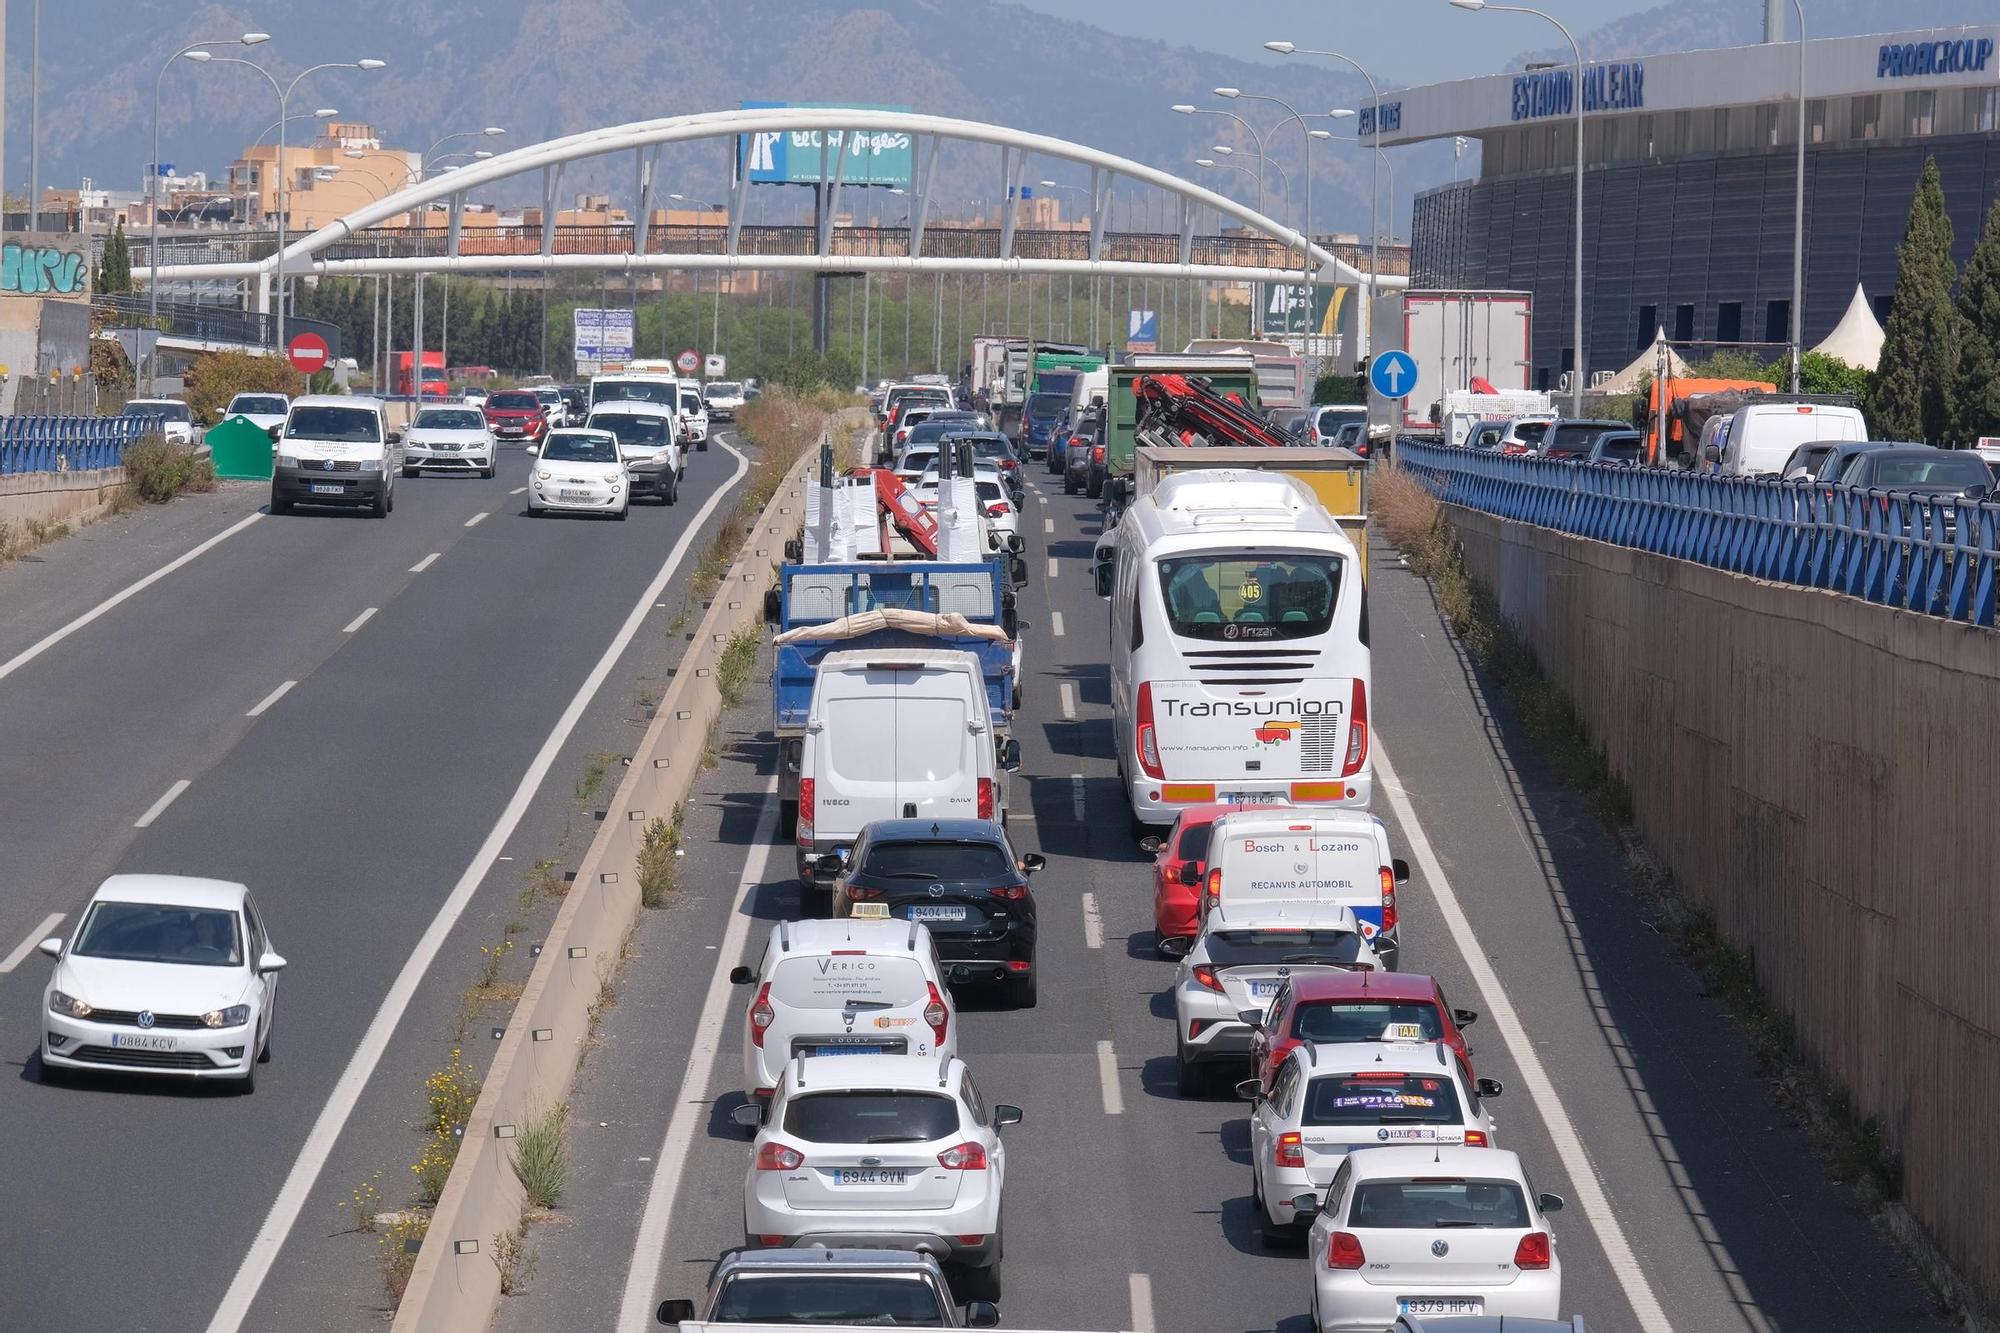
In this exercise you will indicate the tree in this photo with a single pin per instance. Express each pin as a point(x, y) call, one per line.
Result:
point(114, 274)
point(1977, 388)
point(1914, 385)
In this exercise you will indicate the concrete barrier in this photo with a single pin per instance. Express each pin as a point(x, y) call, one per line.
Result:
point(455, 1285)
point(58, 497)
point(1816, 772)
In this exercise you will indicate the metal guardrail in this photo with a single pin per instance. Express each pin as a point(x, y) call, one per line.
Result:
point(68, 444)
point(1936, 555)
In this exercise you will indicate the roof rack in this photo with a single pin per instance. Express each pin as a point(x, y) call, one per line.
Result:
point(944, 1070)
point(799, 1076)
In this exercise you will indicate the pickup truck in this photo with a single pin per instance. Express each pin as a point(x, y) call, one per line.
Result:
point(786, 1288)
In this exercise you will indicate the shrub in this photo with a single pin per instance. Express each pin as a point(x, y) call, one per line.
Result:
point(541, 1157)
point(157, 471)
point(217, 377)
point(451, 1093)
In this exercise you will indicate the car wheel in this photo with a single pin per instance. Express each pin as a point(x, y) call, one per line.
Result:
point(623, 510)
point(490, 472)
point(673, 490)
point(382, 503)
point(977, 1284)
point(788, 819)
point(279, 506)
point(1095, 489)
point(1021, 991)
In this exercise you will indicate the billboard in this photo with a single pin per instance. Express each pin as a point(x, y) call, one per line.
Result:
point(1294, 309)
point(792, 157)
point(1142, 330)
point(603, 339)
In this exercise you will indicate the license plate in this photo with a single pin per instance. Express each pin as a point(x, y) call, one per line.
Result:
point(870, 1175)
point(574, 495)
point(320, 489)
point(1440, 1305)
point(1261, 988)
point(943, 912)
point(143, 1041)
point(1250, 798)
point(848, 1050)
point(511, 430)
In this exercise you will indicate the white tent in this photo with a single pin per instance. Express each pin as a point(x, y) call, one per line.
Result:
point(1857, 339)
point(1646, 363)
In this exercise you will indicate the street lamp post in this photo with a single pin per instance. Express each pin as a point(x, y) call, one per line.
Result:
point(153, 169)
point(1579, 367)
point(1188, 110)
point(1305, 235)
point(1799, 218)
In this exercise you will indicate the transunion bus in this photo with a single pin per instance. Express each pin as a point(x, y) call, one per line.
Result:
point(1239, 648)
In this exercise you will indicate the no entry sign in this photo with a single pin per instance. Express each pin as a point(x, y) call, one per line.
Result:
point(307, 352)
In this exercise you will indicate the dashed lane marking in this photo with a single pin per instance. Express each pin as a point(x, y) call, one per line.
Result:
point(360, 620)
point(1107, 1081)
point(35, 936)
point(426, 562)
point(159, 807)
point(271, 698)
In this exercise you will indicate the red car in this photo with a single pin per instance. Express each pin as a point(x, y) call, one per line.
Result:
point(1356, 1006)
point(516, 414)
point(1180, 860)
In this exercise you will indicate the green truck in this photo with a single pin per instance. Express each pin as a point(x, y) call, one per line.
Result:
point(1231, 375)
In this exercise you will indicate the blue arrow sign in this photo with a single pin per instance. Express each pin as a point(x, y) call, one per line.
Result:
point(1393, 374)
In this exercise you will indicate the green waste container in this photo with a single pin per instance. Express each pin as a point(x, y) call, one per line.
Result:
point(241, 448)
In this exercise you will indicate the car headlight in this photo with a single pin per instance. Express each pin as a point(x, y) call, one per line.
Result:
point(543, 476)
point(67, 1005)
point(288, 460)
point(235, 1016)
point(369, 465)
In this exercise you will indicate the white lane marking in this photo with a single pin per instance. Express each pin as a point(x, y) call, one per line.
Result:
point(27, 655)
point(1076, 795)
point(1501, 1013)
point(426, 562)
point(518, 490)
point(1142, 1302)
point(35, 936)
point(271, 698)
point(692, 1105)
point(360, 620)
point(1107, 1079)
point(1052, 567)
point(1068, 693)
point(332, 1119)
point(473, 522)
point(1048, 524)
point(1055, 624)
point(1093, 924)
point(159, 807)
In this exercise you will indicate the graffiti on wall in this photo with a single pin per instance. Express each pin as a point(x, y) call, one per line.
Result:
point(43, 270)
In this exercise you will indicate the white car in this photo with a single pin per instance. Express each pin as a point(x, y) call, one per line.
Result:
point(1330, 1099)
point(694, 418)
point(649, 439)
point(724, 399)
point(581, 472)
point(1431, 1231)
point(166, 974)
point(554, 410)
point(449, 439)
point(1236, 964)
point(264, 409)
point(895, 1152)
point(474, 397)
point(176, 421)
point(855, 985)
point(914, 462)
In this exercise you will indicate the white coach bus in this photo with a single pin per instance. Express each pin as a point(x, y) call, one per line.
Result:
point(1239, 648)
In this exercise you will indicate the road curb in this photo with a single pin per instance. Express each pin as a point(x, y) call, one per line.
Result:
point(455, 1285)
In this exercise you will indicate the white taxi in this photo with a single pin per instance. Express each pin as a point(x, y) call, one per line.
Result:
point(579, 472)
point(1329, 1100)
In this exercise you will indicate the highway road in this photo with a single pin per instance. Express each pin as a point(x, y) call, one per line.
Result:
point(1695, 1203)
point(377, 725)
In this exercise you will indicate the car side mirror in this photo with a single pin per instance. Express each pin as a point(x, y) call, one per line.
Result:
point(1549, 1203)
point(269, 962)
point(1151, 844)
point(741, 976)
point(1465, 1018)
point(674, 1312)
point(1711, 454)
point(1014, 542)
point(1190, 873)
point(1103, 572)
point(1017, 570)
point(1250, 1089)
point(276, 432)
point(51, 946)
point(1253, 1018)
point(1010, 756)
point(1004, 1115)
point(1489, 1087)
point(773, 606)
point(532, 449)
point(830, 864)
point(1034, 861)
point(750, 1115)
point(395, 437)
point(1400, 869)
point(1305, 1207)
point(1176, 946)
point(982, 1314)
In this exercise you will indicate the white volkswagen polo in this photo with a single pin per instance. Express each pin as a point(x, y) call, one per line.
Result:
point(166, 974)
point(580, 472)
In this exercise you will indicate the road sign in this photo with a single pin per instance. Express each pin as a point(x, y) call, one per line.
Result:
point(1393, 374)
point(307, 352)
point(1142, 330)
point(714, 366)
point(602, 339)
point(688, 362)
point(794, 157)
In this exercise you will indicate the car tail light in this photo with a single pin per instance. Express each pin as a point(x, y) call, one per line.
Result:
point(1205, 975)
point(805, 835)
point(770, 1242)
point(1214, 885)
point(1476, 1138)
point(1388, 898)
point(778, 1157)
point(936, 1014)
point(1357, 731)
point(1097, 453)
point(1343, 1251)
point(986, 798)
point(761, 1015)
point(1149, 740)
point(1533, 1251)
point(860, 891)
point(996, 510)
point(1012, 893)
point(1290, 1151)
point(967, 1157)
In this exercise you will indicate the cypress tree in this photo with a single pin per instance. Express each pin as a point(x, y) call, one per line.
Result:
point(115, 273)
point(1916, 381)
point(1977, 391)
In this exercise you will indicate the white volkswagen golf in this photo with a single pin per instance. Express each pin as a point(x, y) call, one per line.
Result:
point(896, 1152)
point(166, 974)
point(580, 472)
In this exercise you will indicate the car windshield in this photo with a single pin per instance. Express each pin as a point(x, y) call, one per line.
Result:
point(149, 933)
point(262, 405)
point(450, 418)
point(340, 425)
point(1622, 450)
point(513, 401)
point(1425, 1205)
point(634, 391)
point(945, 861)
point(167, 411)
point(1944, 468)
point(1045, 406)
point(1277, 596)
point(593, 448)
point(1377, 1098)
point(724, 389)
point(1256, 948)
point(828, 1298)
point(633, 430)
point(871, 1117)
point(548, 395)
point(1364, 1020)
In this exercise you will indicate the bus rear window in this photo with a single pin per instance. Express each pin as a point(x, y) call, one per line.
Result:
point(1250, 597)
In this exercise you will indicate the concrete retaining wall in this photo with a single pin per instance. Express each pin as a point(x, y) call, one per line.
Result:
point(1818, 773)
point(52, 497)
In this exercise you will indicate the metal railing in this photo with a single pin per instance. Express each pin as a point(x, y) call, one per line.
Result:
point(1936, 555)
point(69, 444)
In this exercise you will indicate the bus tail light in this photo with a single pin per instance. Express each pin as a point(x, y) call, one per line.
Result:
point(1148, 737)
point(1388, 898)
point(1357, 731)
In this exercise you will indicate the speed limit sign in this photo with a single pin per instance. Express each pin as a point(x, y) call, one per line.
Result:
point(688, 362)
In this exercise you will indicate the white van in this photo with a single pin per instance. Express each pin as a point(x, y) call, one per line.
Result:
point(894, 734)
point(1089, 386)
point(335, 450)
point(1311, 855)
point(1763, 435)
point(636, 386)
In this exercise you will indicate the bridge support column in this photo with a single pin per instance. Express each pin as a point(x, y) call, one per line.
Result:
point(822, 309)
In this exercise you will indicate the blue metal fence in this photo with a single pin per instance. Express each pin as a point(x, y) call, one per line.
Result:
point(1938, 555)
point(68, 444)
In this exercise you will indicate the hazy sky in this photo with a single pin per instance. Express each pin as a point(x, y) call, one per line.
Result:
point(1401, 41)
